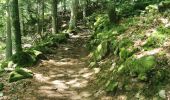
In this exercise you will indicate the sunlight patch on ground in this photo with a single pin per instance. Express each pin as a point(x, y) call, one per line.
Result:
point(63, 62)
point(60, 85)
point(50, 93)
point(164, 20)
point(77, 83)
point(150, 32)
point(83, 70)
point(60, 63)
point(87, 75)
point(40, 77)
point(96, 70)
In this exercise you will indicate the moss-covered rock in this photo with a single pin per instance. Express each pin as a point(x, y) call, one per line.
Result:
point(23, 59)
point(37, 54)
point(140, 67)
point(20, 74)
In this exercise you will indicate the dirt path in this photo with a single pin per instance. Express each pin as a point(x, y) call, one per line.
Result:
point(65, 76)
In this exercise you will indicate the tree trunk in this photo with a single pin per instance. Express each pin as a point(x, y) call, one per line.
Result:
point(84, 9)
point(54, 17)
point(42, 17)
point(38, 18)
point(112, 12)
point(21, 18)
point(73, 19)
point(64, 3)
point(8, 32)
point(16, 26)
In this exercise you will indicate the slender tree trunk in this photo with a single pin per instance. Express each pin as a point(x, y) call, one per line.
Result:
point(73, 19)
point(16, 26)
point(112, 12)
point(84, 9)
point(42, 16)
point(38, 18)
point(8, 32)
point(64, 5)
point(21, 17)
point(54, 17)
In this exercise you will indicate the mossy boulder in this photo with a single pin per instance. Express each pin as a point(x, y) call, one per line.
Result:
point(140, 67)
point(37, 54)
point(20, 74)
point(23, 59)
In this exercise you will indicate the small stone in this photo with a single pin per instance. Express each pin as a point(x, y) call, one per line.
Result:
point(162, 94)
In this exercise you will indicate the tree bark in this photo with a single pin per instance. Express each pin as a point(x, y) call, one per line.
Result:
point(54, 16)
point(16, 26)
point(73, 19)
point(8, 32)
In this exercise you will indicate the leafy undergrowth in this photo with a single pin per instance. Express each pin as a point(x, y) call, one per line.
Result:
point(14, 69)
point(138, 51)
point(50, 41)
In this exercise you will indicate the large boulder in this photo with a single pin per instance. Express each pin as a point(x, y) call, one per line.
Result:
point(19, 74)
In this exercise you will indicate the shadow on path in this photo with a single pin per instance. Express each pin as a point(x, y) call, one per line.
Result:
point(65, 76)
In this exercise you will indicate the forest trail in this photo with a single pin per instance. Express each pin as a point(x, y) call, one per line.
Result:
point(64, 76)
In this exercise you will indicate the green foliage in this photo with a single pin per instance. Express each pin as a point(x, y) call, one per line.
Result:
point(152, 8)
point(125, 53)
point(147, 75)
point(101, 51)
point(1, 86)
point(51, 41)
point(111, 87)
point(37, 55)
point(156, 39)
point(127, 41)
point(163, 30)
point(20, 74)
point(153, 42)
point(23, 59)
point(140, 67)
point(164, 5)
point(102, 23)
point(120, 44)
point(4, 64)
point(58, 38)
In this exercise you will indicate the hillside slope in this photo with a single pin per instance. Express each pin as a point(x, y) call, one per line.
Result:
point(133, 55)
